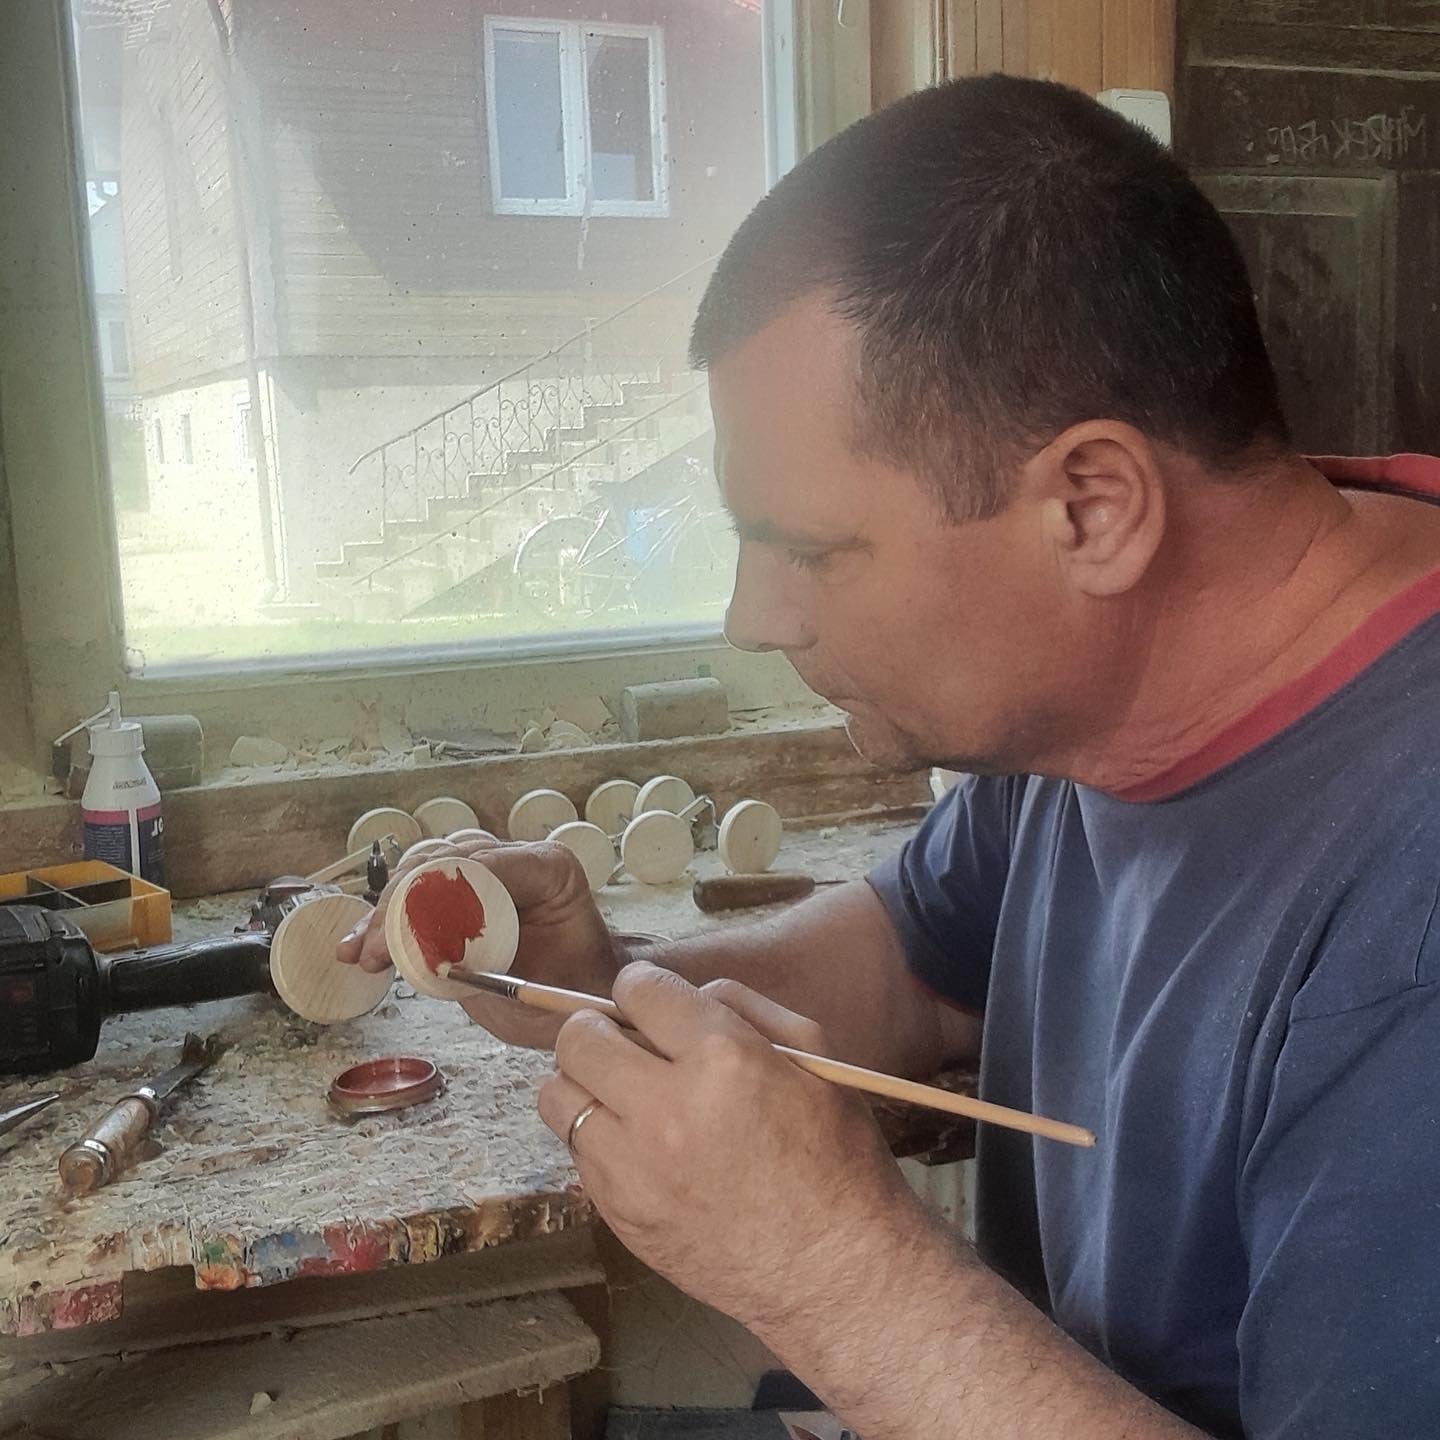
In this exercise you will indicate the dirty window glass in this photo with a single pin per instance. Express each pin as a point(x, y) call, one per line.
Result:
point(391, 310)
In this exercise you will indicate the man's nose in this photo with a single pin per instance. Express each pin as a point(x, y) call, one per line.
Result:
point(763, 614)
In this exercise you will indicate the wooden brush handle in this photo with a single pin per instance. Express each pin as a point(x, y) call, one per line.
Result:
point(838, 1072)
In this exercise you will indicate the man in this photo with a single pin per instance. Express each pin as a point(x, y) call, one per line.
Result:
point(1014, 489)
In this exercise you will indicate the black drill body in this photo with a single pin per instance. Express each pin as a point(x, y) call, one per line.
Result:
point(55, 991)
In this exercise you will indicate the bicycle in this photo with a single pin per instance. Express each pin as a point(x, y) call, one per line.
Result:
point(591, 564)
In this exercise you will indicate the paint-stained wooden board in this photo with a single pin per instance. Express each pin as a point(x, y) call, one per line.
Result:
point(258, 1183)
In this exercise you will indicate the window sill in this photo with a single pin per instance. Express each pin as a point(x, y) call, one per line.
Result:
point(232, 835)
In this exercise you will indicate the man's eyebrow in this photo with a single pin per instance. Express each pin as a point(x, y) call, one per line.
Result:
point(766, 532)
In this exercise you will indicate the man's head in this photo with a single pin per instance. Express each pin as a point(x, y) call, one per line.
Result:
point(955, 349)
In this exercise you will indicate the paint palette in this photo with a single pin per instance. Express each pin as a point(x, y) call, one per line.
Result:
point(450, 911)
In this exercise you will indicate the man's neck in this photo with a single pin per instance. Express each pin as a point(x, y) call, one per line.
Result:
point(1261, 580)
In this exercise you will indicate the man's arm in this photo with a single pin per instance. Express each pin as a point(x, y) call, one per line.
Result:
point(837, 960)
point(916, 1337)
point(770, 1195)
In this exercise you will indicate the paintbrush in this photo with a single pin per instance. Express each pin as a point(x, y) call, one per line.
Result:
point(837, 1072)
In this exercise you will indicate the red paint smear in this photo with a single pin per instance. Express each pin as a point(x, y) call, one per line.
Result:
point(445, 914)
point(351, 1251)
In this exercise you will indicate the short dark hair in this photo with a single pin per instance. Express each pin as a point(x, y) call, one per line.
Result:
point(1016, 258)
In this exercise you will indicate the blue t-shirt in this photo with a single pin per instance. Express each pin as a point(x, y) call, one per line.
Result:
point(1237, 988)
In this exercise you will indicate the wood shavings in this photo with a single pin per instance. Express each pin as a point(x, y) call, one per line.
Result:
point(257, 1182)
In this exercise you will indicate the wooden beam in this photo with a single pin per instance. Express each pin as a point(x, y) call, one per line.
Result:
point(319, 1384)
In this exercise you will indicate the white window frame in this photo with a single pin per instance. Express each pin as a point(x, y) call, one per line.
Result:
point(575, 121)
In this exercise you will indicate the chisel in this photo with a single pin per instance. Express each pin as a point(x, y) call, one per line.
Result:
point(107, 1146)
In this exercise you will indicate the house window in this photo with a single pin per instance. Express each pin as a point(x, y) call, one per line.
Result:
point(119, 347)
point(244, 450)
point(157, 431)
point(576, 118)
point(187, 440)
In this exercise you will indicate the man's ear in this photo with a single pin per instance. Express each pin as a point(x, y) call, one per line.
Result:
point(1102, 500)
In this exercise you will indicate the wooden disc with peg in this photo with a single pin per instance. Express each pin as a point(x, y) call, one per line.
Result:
point(664, 792)
point(749, 837)
point(308, 977)
point(444, 815)
point(535, 814)
point(657, 847)
point(591, 846)
point(611, 806)
point(378, 823)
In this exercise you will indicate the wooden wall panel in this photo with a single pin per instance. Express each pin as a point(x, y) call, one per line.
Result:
point(386, 240)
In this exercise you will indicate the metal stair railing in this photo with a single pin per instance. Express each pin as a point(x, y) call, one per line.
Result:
point(368, 579)
point(519, 416)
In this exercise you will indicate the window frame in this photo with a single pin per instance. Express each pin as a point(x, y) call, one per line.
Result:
point(575, 121)
point(53, 464)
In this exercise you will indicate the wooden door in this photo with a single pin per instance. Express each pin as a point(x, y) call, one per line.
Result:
point(1314, 125)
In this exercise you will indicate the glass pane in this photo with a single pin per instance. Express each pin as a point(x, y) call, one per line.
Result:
point(529, 117)
point(357, 410)
point(617, 74)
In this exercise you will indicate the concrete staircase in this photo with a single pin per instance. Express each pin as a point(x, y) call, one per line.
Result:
point(453, 553)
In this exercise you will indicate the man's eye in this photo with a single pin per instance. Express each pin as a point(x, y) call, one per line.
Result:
point(810, 562)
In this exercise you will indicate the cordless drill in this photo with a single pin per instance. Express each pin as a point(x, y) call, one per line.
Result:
point(55, 991)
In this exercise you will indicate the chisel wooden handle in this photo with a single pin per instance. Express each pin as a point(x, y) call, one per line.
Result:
point(105, 1148)
point(740, 892)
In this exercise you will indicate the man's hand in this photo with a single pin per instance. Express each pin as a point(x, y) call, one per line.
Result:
point(719, 1163)
point(563, 938)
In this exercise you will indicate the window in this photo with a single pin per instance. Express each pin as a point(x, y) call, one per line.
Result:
point(576, 114)
point(428, 431)
point(119, 356)
point(244, 449)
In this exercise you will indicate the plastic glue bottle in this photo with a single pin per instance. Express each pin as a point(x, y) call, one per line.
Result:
point(121, 803)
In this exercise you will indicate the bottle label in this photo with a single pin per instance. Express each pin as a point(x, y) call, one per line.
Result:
point(132, 840)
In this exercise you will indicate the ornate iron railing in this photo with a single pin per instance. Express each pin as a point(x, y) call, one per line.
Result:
point(475, 444)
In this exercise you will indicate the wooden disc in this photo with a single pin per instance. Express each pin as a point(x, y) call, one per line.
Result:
point(311, 981)
point(612, 805)
point(467, 837)
point(657, 847)
point(377, 824)
point(443, 816)
point(450, 910)
point(664, 792)
point(535, 814)
point(750, 837)
point(427, 849)
point(594, 849)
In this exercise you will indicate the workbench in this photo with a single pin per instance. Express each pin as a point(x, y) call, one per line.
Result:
point(257, 1182)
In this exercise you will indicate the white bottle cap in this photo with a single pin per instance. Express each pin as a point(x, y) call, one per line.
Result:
point(115, 736)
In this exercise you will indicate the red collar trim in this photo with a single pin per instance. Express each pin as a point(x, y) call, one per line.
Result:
point(1417, 475)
